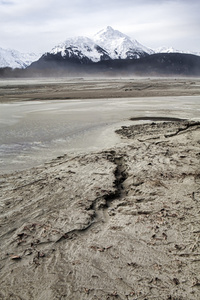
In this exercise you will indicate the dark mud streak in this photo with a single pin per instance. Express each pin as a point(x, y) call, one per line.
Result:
point(31, 183)
point(167, 119)
point(73, 233)
point(120, 175)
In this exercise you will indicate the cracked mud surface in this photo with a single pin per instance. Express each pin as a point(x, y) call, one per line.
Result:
point(117, 224)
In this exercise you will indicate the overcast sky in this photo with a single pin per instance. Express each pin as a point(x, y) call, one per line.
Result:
point(39, 25)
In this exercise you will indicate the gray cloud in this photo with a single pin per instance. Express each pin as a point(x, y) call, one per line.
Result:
point(4, 2)
point(39, 25)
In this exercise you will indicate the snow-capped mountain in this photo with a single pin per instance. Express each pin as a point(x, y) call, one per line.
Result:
point(14, 59)
point(119, 45)
point(107, 44)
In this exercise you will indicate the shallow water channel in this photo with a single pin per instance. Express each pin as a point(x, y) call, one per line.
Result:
point(36, 131)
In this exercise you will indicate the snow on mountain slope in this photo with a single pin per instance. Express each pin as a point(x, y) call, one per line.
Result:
point(173, 50)
point(119, 45)
point(107, 44)
point(14, 59)
point(82, 48)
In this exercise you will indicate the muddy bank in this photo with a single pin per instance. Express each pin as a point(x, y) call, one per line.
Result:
point(116, 224)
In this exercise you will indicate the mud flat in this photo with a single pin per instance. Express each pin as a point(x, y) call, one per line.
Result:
point(33, 132)
point(91, 88)
point(116, 224)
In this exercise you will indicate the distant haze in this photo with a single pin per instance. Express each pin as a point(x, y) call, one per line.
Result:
point(39, 25)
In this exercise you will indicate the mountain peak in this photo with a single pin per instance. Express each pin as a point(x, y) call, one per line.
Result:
point(119, 45)
point(109, 28)
point(108, 33)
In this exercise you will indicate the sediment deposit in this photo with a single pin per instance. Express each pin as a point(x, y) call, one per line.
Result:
point(116, 224)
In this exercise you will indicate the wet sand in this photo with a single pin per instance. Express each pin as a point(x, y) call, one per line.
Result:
point(121, 223)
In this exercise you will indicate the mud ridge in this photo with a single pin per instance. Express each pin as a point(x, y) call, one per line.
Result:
point(186, 125)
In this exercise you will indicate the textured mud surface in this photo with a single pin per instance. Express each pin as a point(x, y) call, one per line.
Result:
point(65, 88)
point(117, 224)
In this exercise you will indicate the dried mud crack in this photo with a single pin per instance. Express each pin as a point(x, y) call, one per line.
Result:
point(117, 224)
